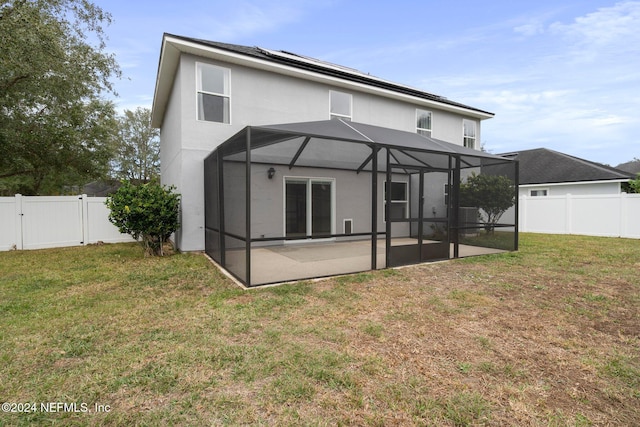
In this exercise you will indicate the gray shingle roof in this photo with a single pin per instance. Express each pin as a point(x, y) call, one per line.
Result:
point(631, 167)
point(544, 166)
point(310, 64)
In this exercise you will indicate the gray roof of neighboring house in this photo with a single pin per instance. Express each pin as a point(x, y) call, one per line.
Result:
point(101, 188)
point(544, 166)
point(631, 167)
point(322, 67)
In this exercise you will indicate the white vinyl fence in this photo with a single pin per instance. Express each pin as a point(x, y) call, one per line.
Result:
point(35, 222)
point(616, 215)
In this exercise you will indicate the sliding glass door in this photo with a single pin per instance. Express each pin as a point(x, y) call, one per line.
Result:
point(296, 209)
point(309, 207)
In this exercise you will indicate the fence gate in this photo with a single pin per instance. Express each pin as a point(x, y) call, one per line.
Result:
point(51, 221)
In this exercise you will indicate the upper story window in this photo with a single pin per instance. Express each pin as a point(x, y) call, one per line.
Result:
point(213, 93)
point(423, 122)
point(340, 105)
point(469, 133)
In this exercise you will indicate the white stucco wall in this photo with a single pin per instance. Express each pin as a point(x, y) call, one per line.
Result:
point(352, 199)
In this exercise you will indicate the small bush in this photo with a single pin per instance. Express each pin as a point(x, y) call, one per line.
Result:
point(148, 212)
point(632, 186)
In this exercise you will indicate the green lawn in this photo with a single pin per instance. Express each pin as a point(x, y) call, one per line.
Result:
point(547, 336)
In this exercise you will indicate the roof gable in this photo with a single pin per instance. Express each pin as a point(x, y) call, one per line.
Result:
point(174, 45)
point(544, 166)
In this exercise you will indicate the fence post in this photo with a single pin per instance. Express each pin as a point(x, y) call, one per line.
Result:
point(18, 210)
point(85, 219)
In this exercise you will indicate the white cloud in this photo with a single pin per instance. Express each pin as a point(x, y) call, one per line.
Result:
point(242, 19)
point(606, 32)
point(530, 29)
point(606, 25)
point(249, 19)
point(558, 121)
point(609, 119)
point(523, 101)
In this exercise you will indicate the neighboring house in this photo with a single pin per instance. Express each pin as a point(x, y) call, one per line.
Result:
point(545, 172)
point(632, 167)
point(289, 143)
point(562, 194)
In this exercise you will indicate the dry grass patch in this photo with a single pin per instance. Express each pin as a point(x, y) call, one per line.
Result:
point(545, 336)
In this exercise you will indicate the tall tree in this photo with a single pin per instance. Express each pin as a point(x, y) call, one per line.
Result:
point(55, 127)
point(137, 156)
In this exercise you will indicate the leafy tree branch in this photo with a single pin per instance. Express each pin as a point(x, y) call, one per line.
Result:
point(54, 121)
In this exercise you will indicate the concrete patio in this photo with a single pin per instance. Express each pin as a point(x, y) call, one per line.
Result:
point(298, 261)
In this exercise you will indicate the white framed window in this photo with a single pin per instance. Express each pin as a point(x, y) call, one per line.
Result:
point(213, 93)
point(540, 192)
point(469, 133)
point(423, 122)
point(340, 105)
point(399, 208)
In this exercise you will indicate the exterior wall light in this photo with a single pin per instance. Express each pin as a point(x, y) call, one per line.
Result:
point(271, 172)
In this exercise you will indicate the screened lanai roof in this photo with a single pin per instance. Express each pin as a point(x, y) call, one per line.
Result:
point(330, 143)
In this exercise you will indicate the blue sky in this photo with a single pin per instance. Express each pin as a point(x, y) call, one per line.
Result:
point(564, 76)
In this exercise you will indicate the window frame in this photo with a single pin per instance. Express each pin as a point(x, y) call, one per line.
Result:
point(199, 90)
point(469, 138)
point(537, 190)
point(405, 202)
point(333, 115)
point(420, 130)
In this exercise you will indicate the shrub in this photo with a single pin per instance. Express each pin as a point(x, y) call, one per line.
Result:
point(493, 194)
point(634, 185)
point(148, 212)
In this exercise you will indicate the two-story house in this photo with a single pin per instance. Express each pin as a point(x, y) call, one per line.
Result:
point(311, 153)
